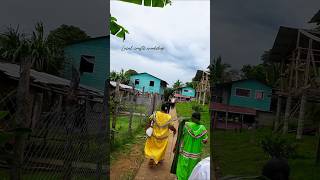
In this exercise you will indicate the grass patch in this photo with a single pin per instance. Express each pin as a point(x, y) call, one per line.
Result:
point(184, 109)
point(241, 154)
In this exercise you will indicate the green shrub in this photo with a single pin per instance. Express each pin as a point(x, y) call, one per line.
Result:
point(197, 107)
point(277, 146)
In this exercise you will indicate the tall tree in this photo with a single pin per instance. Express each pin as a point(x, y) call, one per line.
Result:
point(218, 70)
point(66, 34)
point(10, 42)
point(192, 84)
point(121, 76)
point(45, 57)
point(254, 72)
point(178, 84)
point(130, 72)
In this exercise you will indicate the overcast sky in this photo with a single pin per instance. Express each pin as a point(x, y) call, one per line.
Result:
point(90, 16)
point(182, 29)
point(243, 30)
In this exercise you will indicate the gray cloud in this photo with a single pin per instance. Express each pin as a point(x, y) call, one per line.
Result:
point(90, 16)
point(243, 30)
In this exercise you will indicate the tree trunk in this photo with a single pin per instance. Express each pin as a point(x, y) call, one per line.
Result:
point(287, 114)
point(301, 117)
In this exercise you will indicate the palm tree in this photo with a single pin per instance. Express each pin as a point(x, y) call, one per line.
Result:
point(121, 76)
point(10, 41)
point(44, 57)
point(218, 70)
point(178, 84)
point(40, 51)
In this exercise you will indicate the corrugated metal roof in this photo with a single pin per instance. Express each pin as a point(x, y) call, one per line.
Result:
point(152, 76)
point(13, 71)
point(122, 86)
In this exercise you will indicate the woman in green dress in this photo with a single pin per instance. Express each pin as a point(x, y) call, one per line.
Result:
point(194, 135)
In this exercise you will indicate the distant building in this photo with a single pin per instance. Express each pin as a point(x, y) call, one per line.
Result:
point(185, 94)
point(148, 83)
point(242, 101)
point(91, 58)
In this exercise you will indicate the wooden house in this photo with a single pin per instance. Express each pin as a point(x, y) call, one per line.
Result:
point(185, 94)
point(240, 102)
point(147, 83)
point(91, 57)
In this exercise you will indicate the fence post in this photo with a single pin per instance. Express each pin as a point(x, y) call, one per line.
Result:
point(131, 102)
point(114, 116)
point(71, 101)
point(22, 117)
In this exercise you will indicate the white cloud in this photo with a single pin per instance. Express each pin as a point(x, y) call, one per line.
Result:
point(183, 29)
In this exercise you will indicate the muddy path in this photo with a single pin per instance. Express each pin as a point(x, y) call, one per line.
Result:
point(162, 171)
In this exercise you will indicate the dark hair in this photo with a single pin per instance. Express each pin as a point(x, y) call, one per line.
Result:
point(164, 107)
point(196, 115)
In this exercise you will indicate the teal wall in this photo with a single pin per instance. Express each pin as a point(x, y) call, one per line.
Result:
point(98, 47)
point(251, 102)
point(145, 79)
point(191, 92)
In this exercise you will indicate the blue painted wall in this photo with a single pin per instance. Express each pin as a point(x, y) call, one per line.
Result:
point(98, 47)
point(190, 91)
point(144, 81)
point(251, 102)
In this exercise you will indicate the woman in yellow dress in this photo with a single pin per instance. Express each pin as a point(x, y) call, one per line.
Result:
point(157, 143)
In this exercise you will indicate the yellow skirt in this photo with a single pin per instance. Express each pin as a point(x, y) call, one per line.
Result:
point(156, 148)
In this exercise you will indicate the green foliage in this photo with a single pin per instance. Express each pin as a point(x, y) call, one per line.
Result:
point(178, 84)
point(10, 41)
point(197, 107)
point(151, 3)
point(66, 34)
point(3, 114)
point(15, 46)
point(218, 71)
point(168, 92)
point(116, 29)
point(192, 84)
point(277, 146)
point(120, 31)
point(123, 77)
point(130, 72)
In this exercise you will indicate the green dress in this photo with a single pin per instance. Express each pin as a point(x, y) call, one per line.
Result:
point(192, 141)
point(173, 169)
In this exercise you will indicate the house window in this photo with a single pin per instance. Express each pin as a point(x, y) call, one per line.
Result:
point(259, 95)
point(87, 63)
point(186, 90)
point(136, 82)
point(151, 83)
point(243, 92)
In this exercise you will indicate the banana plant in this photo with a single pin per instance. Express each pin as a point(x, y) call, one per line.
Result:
point(120, 31)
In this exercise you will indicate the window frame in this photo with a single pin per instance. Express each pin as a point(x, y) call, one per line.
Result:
point(136, 80)
point(261, 91)
point(150, 83)
point(243, 89)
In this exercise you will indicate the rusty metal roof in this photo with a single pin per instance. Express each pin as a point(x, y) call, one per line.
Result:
point(13, 72)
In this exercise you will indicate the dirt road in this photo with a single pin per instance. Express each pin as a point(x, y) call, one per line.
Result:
point(162, 171)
